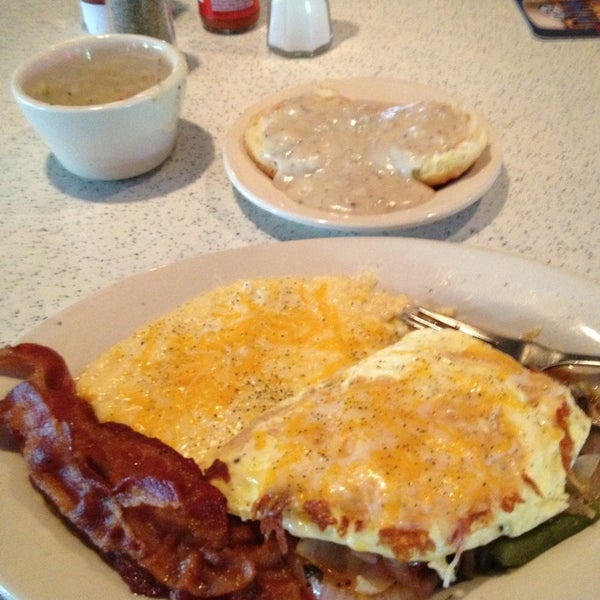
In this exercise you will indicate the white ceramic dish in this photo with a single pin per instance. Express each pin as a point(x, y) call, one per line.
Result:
point(114, 140)
point(258, 188)
point(41, 560)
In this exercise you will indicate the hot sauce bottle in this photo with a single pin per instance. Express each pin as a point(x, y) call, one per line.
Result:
point(228, 16)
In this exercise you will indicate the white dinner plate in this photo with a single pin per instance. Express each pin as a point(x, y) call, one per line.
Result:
point(258, 188)
point(41, 560)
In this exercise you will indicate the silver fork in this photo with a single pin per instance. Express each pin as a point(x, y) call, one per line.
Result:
point(531, 354)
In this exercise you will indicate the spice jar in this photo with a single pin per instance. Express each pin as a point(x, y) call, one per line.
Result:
point(298, 29)
point(228, 16)
point(95, 16)
point(146, 17)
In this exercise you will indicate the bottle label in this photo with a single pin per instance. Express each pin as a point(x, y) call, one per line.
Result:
point(214, 8)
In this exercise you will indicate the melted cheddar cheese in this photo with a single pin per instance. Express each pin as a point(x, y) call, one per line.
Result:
point(195, 377)
point(429, 447)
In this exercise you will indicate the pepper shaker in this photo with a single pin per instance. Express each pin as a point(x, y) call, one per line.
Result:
point(299, 28)
point(146, 17)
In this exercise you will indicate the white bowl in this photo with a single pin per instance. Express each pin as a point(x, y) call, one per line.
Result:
point(110, 140)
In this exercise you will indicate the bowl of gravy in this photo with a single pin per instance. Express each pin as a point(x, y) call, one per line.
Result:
point(107, 106)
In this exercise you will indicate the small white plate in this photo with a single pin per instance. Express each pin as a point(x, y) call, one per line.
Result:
point(258, 188)
point(41, 560)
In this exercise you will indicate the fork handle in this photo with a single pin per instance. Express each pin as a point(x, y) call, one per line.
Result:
point(577, 360)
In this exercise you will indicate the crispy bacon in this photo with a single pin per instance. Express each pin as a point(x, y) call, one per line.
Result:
point(147, 510)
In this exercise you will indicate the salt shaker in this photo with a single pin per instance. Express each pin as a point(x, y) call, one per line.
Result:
point(95, 16)
point(146, 17)
point(299, 28)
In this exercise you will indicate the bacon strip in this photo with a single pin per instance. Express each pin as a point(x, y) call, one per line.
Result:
point(147, 510)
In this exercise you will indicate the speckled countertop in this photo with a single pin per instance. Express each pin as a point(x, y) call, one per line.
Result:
point(63, 238)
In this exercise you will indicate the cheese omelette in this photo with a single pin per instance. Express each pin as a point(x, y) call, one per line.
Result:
point(432, 446)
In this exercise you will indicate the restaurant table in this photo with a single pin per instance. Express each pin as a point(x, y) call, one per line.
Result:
point(62, 237)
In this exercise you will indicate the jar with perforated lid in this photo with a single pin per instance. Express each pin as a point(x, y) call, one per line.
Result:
point(228, 16)
point(95, 16)
point(299, 29)
point(146, 17)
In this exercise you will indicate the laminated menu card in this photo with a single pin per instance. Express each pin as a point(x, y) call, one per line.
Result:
point(567, 18)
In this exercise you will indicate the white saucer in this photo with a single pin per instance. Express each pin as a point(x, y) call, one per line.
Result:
point(258, 188)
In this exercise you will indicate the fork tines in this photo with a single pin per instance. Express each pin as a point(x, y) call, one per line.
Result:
point(421, 317)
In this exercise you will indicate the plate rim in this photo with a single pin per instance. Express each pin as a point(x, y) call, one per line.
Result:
point(256, 187)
